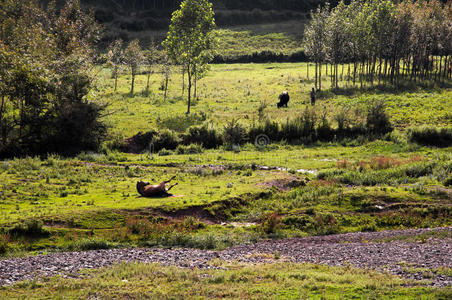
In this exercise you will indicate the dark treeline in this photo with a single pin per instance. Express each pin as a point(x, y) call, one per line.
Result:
point(380, 41)
point(46, 61)
point(171, 5)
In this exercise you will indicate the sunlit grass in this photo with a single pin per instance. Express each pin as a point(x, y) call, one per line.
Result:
point(280, 280)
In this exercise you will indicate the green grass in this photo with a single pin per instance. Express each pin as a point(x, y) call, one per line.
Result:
point(280, 280)
point(236, 91)
point(246, 40)
point(93, 197)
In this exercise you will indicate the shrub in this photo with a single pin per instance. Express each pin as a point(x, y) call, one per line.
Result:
point(377, 122)
point(270, 223)
point(92, 244)
point(4, 243)
point(204, 135)
point(190, 149)
point(269, 128)
point(234, 133)
point(140, 142)
point(448, 181)
point(165, 139)
point(165, 152)
point(430, 136)
point(31, 228)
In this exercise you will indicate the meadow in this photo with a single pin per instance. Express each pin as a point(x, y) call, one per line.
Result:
point(239, 90)
point(279, 280)
point(228, 196)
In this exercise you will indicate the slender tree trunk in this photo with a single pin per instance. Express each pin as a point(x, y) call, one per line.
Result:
point(320, 76)
point(337, 75)
point(166, 87)
point(196, 87)
point(2, 128)
point(116, 79)
point(316, 75)
point(342, 73)
point(183, 80)
point(1, 117)
point(348, 76)
point(307, 71)
point(380, 63)
point(189, 88)
point(362, 74)
point(147, 84)
point(133, 83)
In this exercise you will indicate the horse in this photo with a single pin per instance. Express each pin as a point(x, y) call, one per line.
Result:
point(157, 190)
point(283, 99)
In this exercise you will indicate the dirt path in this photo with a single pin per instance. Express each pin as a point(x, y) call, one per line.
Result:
point(362, 250)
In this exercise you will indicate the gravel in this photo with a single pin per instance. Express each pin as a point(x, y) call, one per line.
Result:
point(362, 250)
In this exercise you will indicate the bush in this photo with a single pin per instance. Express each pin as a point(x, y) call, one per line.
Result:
point(448, 181)
point(91, 244)
point(271, 223)
point(165, 139)
point(140, 142)
point(234, 133)
point(190, 149)
point(377, 122)
point(165, 152)
point(269, 128)
point(31, 228)
point(204, 135)
point(430, 136)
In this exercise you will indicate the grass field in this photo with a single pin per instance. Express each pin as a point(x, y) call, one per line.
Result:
point(90, 201)
point(280, 280)
point(237, 91)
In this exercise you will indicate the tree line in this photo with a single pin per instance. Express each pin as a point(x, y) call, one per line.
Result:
point(381, 41)
point(46, 72)
point(189, 45)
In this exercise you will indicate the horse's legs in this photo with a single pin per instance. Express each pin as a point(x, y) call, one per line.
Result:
point(171, 187)
point(168, 181)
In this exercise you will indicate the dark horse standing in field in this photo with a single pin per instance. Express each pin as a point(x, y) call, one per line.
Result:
point(158, 190)
point(283, 99)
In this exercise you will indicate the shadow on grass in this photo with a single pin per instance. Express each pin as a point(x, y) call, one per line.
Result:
point(397, 89)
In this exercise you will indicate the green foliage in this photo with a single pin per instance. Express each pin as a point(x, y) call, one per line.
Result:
point(190, 149)
point(377, 121)
point(92, 244)
point(165, 139)
point(205, 135)
point(46, 78)
point(270, 223)
point(430, 136)
point(190, 40)
point(234, 133)
point(379, 37)
point(133, 58)
point(32, 228)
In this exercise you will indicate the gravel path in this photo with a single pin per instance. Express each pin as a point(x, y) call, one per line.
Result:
point(361, 250)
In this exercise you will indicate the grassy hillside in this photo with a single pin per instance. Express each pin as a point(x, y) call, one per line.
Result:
point(237, 91)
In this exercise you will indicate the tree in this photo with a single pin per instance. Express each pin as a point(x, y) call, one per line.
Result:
point(133, 57)
point(190, 39)
point(116, 59)
point(166, 70)
point(151, 57)
point(46, 62)
point(314, 40)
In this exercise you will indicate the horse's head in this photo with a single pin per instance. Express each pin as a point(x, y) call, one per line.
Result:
point(141, 185)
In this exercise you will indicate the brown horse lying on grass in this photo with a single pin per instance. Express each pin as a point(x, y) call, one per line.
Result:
point(158, 190)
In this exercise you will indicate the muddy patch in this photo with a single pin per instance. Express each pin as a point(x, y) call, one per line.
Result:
point(285, 184)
